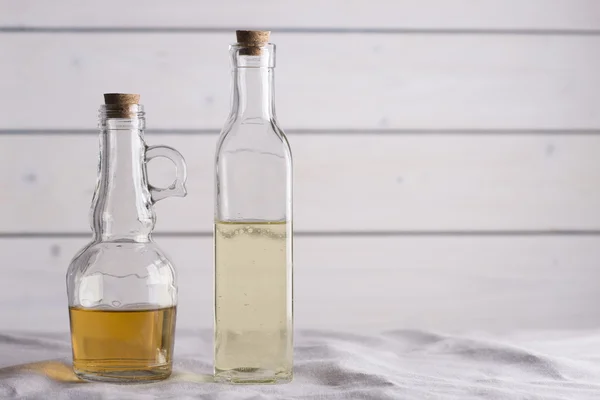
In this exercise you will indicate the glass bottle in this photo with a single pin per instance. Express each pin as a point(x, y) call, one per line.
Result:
point(253, 226)
point(121, 287)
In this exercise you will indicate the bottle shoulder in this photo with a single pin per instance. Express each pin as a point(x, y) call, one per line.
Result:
point(264, 138)
point(121, 275)
point(119, 258)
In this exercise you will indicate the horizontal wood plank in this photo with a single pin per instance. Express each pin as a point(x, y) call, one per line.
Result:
point(379, 14)
point(352, 183)
point(334, 81)
point(357, 284)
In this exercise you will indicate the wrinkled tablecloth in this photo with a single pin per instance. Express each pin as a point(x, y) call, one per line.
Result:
point(401, 364)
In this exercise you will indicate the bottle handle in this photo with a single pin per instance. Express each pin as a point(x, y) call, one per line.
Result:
point(177, 188)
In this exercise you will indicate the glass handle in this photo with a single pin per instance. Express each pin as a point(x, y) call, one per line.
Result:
point(177, 188)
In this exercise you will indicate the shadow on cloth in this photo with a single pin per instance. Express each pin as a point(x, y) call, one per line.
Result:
point(61, 371)
point(56, 370)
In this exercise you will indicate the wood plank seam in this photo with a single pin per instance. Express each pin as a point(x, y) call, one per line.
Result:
point(414, 233)
point(283, 30)
point(324, 132)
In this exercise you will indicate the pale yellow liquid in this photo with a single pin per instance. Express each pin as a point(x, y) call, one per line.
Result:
point(122, 345)
point(253, 302)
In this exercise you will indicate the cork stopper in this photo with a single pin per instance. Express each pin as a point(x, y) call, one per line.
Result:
point(252, 41)
point(120, 104)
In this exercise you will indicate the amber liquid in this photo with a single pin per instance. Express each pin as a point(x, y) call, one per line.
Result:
point(122, 346)
point(253, 302)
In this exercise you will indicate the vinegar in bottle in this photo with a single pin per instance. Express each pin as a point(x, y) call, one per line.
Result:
point(253, 227)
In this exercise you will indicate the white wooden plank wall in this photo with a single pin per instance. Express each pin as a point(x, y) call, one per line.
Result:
point(446, 152)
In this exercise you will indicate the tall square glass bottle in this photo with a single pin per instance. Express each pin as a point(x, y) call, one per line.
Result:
point(253, 226)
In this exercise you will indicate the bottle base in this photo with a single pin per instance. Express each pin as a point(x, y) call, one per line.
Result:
point(124, 375)
point(252, 376)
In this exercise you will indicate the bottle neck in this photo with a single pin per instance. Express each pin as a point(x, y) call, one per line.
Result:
point(122, 207)
point(253, 94)
point(253, 90)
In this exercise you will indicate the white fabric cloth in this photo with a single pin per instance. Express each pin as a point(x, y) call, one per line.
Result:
point(401, 364)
